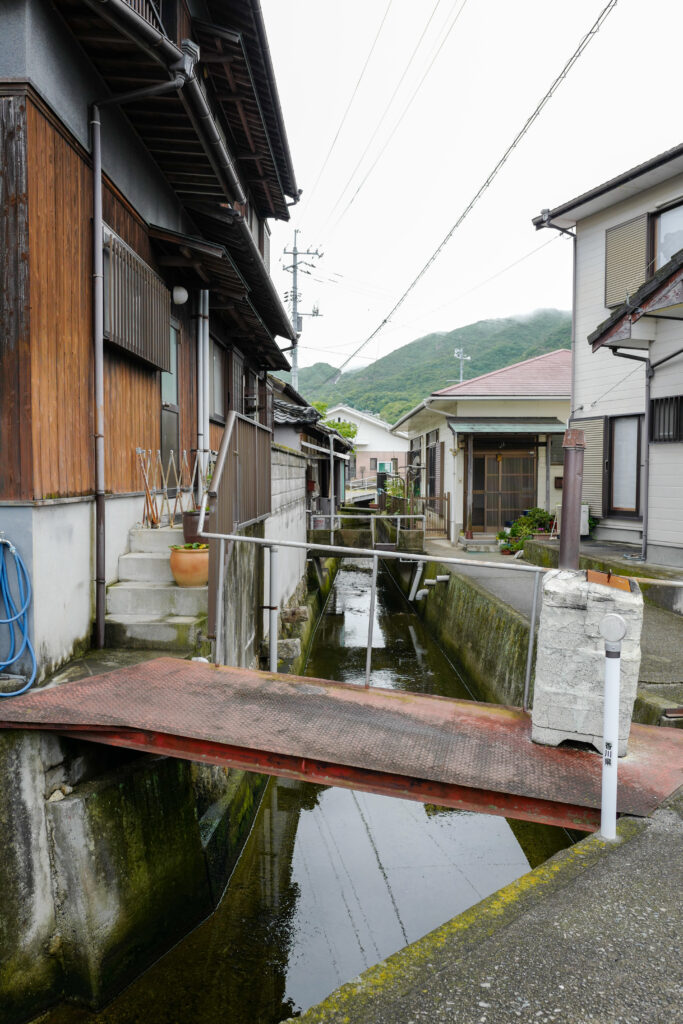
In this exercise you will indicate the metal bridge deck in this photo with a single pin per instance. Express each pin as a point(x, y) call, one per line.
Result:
point(433, 749)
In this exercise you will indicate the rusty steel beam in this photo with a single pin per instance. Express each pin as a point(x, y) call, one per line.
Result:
point(544, 812)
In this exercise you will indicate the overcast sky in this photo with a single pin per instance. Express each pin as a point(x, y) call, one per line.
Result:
point(617, 107)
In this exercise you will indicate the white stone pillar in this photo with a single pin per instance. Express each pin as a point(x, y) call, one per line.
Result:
point(570, 660)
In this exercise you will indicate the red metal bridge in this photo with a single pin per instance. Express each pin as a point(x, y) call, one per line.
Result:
point(432, 749)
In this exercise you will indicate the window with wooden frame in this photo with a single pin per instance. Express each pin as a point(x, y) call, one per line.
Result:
point(666, 419)
point(137, 304)
point(236, 382)
point(217, 382)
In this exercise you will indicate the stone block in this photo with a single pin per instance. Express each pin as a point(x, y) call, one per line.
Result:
point(570, 661)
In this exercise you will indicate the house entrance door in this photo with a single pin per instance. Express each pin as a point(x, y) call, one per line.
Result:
point(170, 411)
point(504, 485)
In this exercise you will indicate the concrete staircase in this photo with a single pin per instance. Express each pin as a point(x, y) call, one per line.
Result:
point(146, 609)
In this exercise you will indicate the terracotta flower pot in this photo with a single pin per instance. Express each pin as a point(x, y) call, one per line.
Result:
point(190, 566)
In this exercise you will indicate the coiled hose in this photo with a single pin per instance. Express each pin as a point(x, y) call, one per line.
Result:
point(15, 618)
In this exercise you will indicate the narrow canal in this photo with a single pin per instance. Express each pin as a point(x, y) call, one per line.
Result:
point(332, 881)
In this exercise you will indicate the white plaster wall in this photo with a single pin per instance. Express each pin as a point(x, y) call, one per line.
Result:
point(63, 572)
point(120, 516)
point(287, 522)
point(371, 436)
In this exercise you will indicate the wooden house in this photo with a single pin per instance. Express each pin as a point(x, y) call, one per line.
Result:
point(143, 153)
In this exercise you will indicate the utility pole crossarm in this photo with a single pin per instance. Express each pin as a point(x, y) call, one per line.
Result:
point(294, 267)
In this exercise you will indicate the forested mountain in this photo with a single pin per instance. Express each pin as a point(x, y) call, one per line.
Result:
point(398, 381)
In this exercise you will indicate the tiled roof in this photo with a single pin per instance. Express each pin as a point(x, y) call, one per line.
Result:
point(544, 375)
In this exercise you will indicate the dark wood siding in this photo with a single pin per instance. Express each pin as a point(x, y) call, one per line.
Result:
point(16, 458)
point(60, 195)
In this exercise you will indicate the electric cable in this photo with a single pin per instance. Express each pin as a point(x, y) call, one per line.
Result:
point(400, 120)
point(348, 107)
point(592, 32)
point(387, 108)
point(16, 617)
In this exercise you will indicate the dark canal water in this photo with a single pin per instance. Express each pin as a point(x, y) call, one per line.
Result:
point(332, 881)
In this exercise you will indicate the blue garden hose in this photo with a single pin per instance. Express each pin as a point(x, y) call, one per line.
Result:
point(15, 618)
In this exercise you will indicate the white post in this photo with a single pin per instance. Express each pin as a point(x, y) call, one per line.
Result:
point(273, 610)
point(613, 629)
point(371, 622)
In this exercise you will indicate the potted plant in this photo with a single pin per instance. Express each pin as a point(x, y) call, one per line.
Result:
point(190, 564)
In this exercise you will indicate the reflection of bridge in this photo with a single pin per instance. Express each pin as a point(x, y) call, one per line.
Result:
point(432, 749)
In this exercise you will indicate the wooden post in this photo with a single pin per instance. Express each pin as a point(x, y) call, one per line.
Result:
point(470, 484)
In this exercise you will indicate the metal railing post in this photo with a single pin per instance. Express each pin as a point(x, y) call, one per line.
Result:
point(532, 636)
point(218, 654)
point(273, 610)
point(613, 630)
point(371, 620)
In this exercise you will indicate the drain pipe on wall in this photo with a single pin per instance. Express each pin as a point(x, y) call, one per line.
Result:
point(203, 384)
point(160, 88)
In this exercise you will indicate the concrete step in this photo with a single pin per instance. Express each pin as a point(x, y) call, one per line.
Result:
point(164, 633)
point(482, 543)
point(156, 540)
point(153, 599)
point(145, 567)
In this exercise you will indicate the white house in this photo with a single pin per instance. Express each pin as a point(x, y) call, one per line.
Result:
point(376, 447)
point(486, 449)
point(627, 370)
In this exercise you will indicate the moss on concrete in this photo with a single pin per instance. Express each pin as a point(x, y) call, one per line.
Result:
point(128, 873)
point(30, 963)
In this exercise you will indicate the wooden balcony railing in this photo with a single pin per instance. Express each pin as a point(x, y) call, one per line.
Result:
point(147, 10)
point(241, 479)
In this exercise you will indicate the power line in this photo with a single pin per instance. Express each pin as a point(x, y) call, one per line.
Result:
point(594, 29)
point(389, 104)
point(348, 107)
point(402, 116)
point(474, 288)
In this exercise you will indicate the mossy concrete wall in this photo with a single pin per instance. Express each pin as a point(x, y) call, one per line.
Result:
point(109, 858)
point(484, 636)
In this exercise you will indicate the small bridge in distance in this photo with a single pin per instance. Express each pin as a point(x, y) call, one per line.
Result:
point(456, 753)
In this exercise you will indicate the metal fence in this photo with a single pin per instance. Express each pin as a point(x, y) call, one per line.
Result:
point(436, 510)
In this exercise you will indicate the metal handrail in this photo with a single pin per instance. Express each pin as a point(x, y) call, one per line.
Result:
point(404, 556)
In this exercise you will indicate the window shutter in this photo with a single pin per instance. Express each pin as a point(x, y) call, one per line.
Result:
point(593, 463)
point(625, 259)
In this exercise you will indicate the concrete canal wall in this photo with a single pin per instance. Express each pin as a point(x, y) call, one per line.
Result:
point(481, 634)
point(111, 857)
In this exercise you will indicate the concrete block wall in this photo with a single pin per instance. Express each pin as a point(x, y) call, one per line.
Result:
point(570, 660)
point(287, 522)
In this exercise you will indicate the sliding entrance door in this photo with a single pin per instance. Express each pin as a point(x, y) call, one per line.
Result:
point(504, 486)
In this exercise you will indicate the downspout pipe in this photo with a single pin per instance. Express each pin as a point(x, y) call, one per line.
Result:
point(206, 404)
point(98, 336)
point(200, 381)
point(121, 15)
